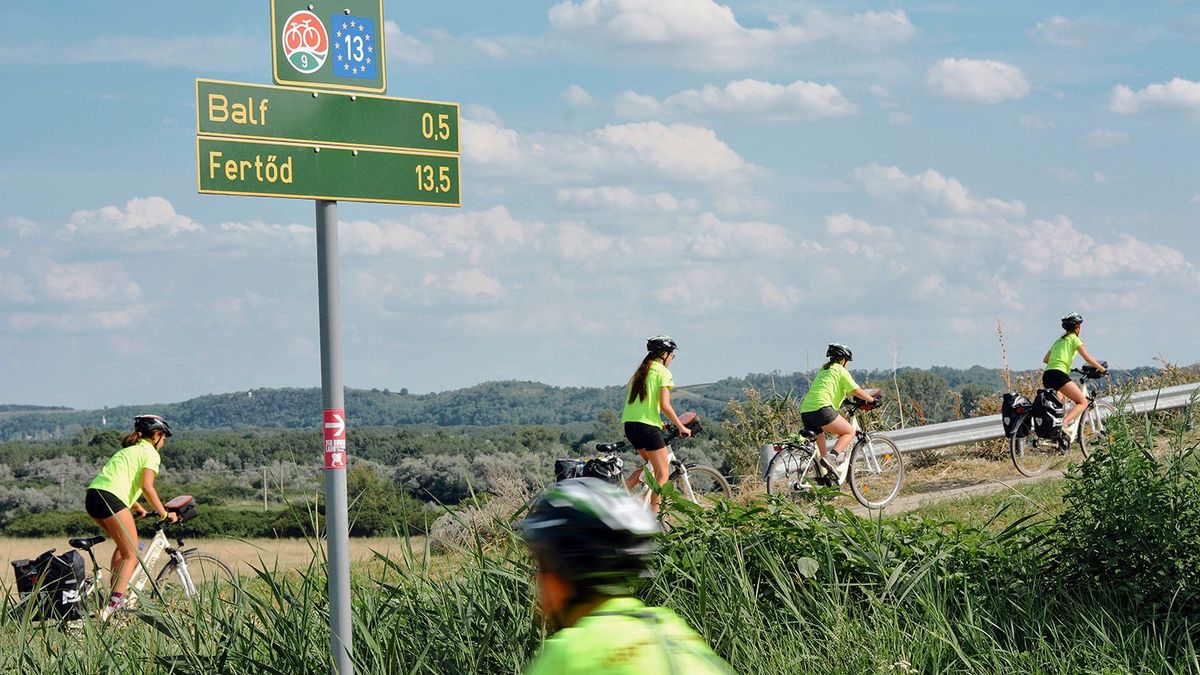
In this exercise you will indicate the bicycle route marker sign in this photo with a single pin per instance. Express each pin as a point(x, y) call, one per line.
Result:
point(239, 110)
point(335, 438)
point(329, 44)
point(234, 166)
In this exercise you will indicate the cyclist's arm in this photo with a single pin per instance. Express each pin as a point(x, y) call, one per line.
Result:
point(148, 476)
point(138, 510)
point(665, 404)
point(1091, 362)
point(1046, 358)
point(866, 395)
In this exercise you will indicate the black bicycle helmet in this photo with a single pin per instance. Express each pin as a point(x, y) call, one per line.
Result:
point(661, 343)
point(838, 351)
point(593, 534)
point(1070, 321)
point(144, 424)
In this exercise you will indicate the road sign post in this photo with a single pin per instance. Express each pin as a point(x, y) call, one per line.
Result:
point(316, 144)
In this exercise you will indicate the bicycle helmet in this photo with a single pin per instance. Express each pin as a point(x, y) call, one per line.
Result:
point(1070, 321)
point(593, 534)
point(661, 343)
point(838, 351)
point(144, 424)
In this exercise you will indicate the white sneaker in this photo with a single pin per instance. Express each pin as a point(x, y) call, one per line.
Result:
point(843, 466)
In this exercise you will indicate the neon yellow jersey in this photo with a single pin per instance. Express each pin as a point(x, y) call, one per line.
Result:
point(649, 410)
point(1062, 353)
point(122, 475)
point(625, 637)
point(830, 387)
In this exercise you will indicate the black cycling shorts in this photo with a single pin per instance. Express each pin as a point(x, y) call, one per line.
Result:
point(818, 419)
point(644, 437)
point(1055, 379)
point(101, 504)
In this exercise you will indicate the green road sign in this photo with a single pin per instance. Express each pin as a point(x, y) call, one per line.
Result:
point(329, 44)
point(241, 167)
point(238, 110)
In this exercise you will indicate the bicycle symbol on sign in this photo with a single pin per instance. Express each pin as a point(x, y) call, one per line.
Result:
point(305, 41)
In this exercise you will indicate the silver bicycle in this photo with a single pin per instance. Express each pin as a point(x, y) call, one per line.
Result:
point(1033, 455)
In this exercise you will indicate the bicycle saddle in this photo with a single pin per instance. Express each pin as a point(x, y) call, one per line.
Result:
point(810, 435)
point(608, 447)
point(85, 542)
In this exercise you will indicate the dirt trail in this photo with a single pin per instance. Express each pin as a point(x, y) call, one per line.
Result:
point(914, 501)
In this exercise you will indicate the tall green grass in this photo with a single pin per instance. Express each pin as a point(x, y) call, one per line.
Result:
point(774, 587)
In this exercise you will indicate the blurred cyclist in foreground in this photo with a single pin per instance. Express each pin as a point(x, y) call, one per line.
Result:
point(593, 543)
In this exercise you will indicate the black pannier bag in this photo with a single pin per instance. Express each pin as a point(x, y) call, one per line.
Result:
point(184, 506)
point(607, 468)
point(567, 468)
point(53, 584)
point(1047, 414)
point(1014, 407)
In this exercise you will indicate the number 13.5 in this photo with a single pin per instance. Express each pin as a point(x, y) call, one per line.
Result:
point(354, 42)
point(426, 182)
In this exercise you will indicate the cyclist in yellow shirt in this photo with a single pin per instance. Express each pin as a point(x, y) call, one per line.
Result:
point(1057, 375)
point(593, 542)
point(112, 498)
point(819, 408)
point(648, 398)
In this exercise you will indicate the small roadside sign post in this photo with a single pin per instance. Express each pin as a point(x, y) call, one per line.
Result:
point(327, 136)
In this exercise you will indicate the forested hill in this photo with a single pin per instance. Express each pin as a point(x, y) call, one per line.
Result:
point(491, 403)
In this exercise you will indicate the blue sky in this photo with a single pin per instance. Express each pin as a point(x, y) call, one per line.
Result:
point(755, 178)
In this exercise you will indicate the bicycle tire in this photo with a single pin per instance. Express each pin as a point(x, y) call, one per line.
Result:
point(792, 473)
point(208, 573)
point(1092, 427)
point(707, 484)
point(1031, 455)
point(876, 486)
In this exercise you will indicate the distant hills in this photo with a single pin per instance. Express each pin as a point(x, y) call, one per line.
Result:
point(490, 403)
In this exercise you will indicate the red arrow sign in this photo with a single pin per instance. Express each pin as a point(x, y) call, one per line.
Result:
point(335, 424)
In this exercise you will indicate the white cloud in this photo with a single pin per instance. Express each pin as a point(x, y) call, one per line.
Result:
point(680, 150)
point(1100, 178)
point(1099, 139)
point(491, 48)
point(897, 119)
point(404, 47)
point(750, 98)
point(632, 105)
point(976, 81)
point(623, 198)
point(475, 283)
point(1060, 31)
point(704, 34)
point(577, 96)
point(944, 193)
point(1177, 94)
point(1035, 122)
point(139, 214)
point(1057, 247)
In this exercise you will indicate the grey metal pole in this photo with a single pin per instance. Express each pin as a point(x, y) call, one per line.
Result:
point(337, 525)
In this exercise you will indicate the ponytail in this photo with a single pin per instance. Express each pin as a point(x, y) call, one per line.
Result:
point(132, 438)
point(637, 383)
point(827, 365)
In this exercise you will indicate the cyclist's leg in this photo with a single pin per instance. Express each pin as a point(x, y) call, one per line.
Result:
point(123, 531)
point(1073, 393)
point(659, 462)
point(843, 430)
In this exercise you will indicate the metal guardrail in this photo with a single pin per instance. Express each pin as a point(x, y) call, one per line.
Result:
point(979, 429)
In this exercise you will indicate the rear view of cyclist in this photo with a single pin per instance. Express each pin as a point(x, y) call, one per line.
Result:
point(112, 498)
point(647, 399)
point(1057, 375)
point(593, 542)
point(819, 408)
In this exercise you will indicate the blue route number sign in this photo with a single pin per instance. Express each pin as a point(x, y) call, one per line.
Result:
point(353, 45)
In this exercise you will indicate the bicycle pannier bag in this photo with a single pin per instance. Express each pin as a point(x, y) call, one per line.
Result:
point(1047, 414)
point(606, 468)
point(567, 468)
point(1014, 406)
point(184, 506)
point(53, 584)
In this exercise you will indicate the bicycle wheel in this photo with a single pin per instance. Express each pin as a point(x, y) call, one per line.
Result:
point(876, 471)
point(1092, 425)
point(792, 473)
point(211, 579)
point(707, 484)
point(1031, 455)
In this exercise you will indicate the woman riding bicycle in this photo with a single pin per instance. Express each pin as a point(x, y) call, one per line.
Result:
point(647, 400)
point(112, 498)
point(1057, 376)
point(819, 408)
